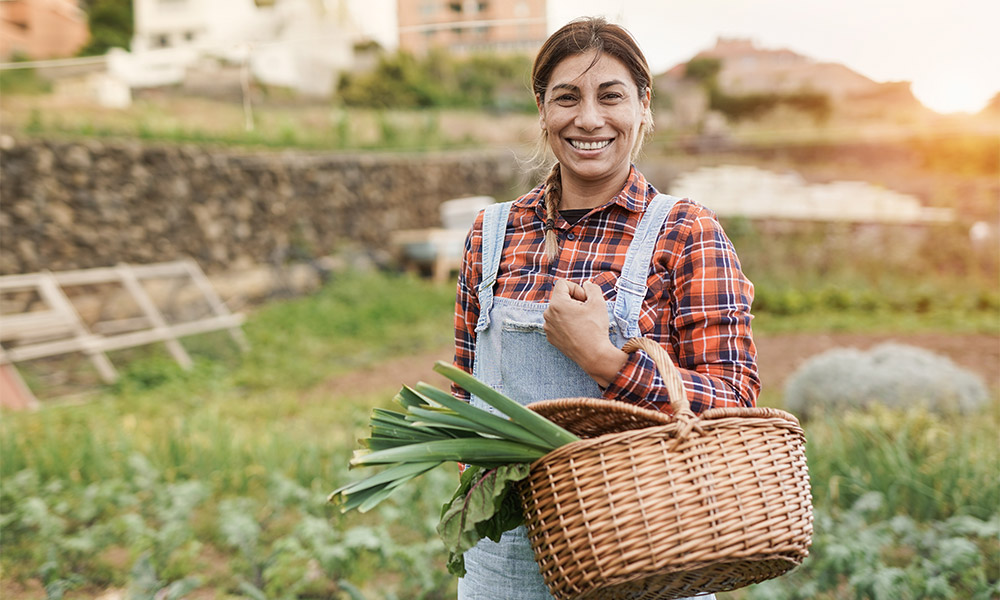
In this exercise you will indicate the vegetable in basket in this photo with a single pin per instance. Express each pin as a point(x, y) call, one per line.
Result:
point(435, 428)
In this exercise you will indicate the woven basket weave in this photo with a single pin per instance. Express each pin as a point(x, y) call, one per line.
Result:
point(656, 506)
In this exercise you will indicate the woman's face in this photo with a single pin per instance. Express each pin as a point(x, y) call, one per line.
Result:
point(592, 115)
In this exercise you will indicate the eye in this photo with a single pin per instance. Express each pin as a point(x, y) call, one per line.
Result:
point(565, 99)
point(612, 97)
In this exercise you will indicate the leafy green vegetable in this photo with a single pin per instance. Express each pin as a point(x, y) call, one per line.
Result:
point(485, 505)
point(534, 422)
point(488, 452)
point(437, 428)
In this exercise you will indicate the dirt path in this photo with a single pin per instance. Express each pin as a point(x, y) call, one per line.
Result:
point(778, 357)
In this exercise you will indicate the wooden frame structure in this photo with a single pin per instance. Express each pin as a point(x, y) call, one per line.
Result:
point(59, 328)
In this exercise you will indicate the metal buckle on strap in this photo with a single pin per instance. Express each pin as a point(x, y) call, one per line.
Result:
point(486, 284)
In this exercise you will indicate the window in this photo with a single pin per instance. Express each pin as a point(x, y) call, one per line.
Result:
point(428, 9)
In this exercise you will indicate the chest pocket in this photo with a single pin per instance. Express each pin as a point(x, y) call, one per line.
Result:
point(531, 369)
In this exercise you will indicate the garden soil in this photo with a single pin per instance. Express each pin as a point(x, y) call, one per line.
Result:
point(779, 356)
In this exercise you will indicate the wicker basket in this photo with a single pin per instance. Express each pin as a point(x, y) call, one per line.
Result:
point(656, 506)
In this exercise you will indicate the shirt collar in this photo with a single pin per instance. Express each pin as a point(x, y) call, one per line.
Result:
point(634, 195)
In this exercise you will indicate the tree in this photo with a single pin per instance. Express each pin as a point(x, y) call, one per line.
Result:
point(111, 25)
point(402, 80)
point(703, 70)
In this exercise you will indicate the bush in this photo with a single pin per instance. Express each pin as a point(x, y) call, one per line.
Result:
point(856, 555)
point(891, 375)
point(23, 81)
point(438, 80)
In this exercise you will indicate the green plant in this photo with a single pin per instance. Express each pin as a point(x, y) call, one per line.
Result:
point(110, 23)
point(438, 80)
point(125, 492)
point(927, 466)
point(24, 81)
point(437, 428)
point(855, 554)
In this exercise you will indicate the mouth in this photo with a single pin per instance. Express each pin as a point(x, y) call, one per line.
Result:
point(590, 145)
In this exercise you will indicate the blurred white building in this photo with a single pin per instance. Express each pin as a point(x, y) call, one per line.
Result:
point(299, 44)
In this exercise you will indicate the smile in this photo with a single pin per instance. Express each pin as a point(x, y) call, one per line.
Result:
point(589, 145)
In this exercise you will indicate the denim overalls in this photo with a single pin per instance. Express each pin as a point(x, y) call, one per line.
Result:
point(513, 356)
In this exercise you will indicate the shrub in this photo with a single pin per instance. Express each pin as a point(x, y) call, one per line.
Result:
point(402, 80)
point(857, 555)
point(23, 81)
point(891, 375)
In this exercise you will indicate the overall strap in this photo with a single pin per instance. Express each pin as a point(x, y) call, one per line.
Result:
point(494, 233)
point(631, 286)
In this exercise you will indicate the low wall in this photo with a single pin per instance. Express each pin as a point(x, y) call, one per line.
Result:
point(70, 205)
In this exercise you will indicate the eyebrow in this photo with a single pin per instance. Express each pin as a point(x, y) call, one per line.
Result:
point(573, 88)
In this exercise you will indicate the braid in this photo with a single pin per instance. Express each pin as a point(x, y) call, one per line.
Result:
point(553, 195)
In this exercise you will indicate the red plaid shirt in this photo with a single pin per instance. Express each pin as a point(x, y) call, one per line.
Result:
point(697, 305)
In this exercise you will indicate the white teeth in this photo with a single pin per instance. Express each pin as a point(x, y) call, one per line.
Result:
point(589, 145)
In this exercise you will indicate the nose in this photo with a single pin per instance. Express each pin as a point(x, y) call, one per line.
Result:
point(589, 116)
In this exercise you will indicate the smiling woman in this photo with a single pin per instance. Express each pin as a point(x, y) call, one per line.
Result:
point(592, 114)
point(554, 283)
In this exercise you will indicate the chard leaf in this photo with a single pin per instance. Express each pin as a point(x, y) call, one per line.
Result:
point(486, 504)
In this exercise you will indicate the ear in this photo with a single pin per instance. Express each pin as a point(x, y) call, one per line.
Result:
point(541, 110)
point(647, 98)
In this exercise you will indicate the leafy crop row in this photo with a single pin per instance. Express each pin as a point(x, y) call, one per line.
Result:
point(213, 483)
point(163, 540)
point(857, 555)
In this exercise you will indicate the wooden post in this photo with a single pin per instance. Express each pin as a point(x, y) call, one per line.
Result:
point(60, 330)
point(152, 313)
point(49, 288)
point(218, 307)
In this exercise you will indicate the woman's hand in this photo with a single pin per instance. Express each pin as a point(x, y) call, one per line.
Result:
point(576, 322)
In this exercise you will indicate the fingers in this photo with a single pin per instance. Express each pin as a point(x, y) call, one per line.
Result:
point(592, 292)
point(564, 287)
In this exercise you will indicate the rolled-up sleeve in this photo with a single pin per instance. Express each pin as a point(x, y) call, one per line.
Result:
point(467, 303)
point(701, 317)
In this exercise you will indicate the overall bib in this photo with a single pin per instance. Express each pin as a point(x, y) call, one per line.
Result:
point(513, 356)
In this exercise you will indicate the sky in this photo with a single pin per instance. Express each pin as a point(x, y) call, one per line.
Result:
point(948, 49)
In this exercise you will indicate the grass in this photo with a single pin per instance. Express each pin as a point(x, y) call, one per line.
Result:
point(926, 466)
point(119, 478)
point(885, 322)
point(214, 481)
point(273, 125)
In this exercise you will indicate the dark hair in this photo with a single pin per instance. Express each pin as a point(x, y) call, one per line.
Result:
point(574, 38)
point(584, 35)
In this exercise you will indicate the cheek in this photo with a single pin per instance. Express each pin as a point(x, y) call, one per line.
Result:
point(635, 120)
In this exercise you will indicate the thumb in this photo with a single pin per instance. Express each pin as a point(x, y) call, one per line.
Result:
point(594, 292)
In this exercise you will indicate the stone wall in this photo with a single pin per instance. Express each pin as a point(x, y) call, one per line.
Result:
point(69, 205)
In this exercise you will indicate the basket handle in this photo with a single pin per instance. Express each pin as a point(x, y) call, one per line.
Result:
point(668, 372)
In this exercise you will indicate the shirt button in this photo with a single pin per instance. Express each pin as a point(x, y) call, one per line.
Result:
point(570, 236)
